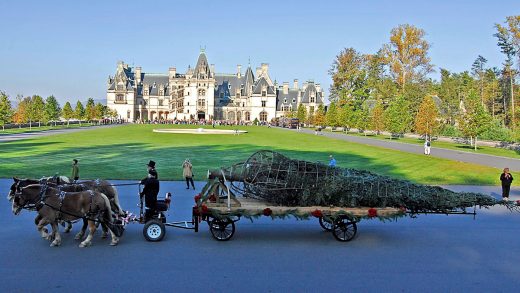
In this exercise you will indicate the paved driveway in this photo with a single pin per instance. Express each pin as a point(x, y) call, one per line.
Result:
point(481, 159)
point(434, 253)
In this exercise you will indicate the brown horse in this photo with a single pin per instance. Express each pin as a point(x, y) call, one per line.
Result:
point(55, 205)
point(63, 184)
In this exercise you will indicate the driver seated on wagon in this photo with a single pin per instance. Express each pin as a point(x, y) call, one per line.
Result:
point(150, 190)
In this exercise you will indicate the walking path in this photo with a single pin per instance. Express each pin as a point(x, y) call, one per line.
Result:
point(26, 135)
point(480, 159)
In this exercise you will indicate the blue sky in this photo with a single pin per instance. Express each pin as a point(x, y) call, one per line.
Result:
point(68, 48)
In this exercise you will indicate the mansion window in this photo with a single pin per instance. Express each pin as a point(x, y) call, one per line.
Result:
point(238, 95)
point(285, 101)
point(294, 100)
point(128, 114)
point(160, 102)
point(263, 103)
point(120, 98)
point(146, 92)
point(263, 116)
point(202, 103)
point(313, 99)
point(248, 116)
point(202, 92)
point(286, 109)
point(264, 93)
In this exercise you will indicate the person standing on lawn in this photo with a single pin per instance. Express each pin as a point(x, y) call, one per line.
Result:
point(75, 170)
point(187, 172)
point(332, 161)
point(506, 179)
point(427, 147)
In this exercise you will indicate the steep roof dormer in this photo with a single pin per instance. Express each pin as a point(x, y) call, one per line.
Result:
point(202, 69)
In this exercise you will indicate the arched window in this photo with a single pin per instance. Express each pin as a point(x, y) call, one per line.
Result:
point(248, 116)
point(202, 92)
point(120, 98)
point(263, 116)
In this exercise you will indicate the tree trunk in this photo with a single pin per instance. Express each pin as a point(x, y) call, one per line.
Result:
point(475, 143)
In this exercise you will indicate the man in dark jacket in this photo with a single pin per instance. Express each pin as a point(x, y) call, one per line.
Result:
point(506, 179)
point(150, 190)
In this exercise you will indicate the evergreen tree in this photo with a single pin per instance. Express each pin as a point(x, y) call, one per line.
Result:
point(52, 109)
point(478, 70)
point(68, 113)
point(426, 121)
point(6, 110)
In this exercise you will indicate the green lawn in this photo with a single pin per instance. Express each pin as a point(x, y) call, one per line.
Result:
point(122, 152)
point(449, 145)
point(38, 129)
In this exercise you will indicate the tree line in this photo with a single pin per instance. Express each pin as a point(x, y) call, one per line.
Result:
point(35, 109)
point(390, 90)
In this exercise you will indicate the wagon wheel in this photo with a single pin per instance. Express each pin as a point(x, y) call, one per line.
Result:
point(344, 229)
point(222, 229)
point(325, 224)
point(154, 230)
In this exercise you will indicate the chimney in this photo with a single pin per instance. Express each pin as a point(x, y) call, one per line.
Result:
point(286, 88)
point(265, 67)
point(137, 75)
point(172, 72)
point(318, 87)
point(295, 84)
point(212, 69)
point(258, 72)
point(304, 86)
point(239, 70)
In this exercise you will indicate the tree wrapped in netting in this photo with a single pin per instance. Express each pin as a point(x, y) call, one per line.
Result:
point(279, 180)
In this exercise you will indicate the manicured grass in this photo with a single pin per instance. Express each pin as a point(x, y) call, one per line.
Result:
point(41, 128)
point(448, 145)
point(122, 152)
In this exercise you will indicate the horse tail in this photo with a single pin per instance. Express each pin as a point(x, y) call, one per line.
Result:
point(116, 200)
point(108, 211)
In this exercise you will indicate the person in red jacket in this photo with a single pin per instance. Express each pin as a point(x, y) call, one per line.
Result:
point(506, 179)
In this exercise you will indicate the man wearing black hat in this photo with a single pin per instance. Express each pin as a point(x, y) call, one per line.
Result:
point(150, 190)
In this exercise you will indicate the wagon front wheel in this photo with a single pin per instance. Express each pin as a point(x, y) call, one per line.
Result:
point(325, 224)
point(344, 229)
point(222, 229)
point(154, 230)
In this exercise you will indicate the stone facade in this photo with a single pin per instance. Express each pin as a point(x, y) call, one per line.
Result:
point(201, 93)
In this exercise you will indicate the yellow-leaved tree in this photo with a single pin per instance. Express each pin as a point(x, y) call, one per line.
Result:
point(427, 119)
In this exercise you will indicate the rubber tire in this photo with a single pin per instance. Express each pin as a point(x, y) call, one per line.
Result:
point(344, 230)
point(326, 225)
point(219, 229)
point(154, 230)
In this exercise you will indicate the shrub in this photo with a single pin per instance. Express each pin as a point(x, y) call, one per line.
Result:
point(497, 132)
point(450, 131)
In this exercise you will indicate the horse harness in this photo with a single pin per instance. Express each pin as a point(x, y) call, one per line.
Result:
point(61, 196)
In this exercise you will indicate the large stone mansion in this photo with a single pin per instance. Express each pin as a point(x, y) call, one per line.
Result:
point(201, 93)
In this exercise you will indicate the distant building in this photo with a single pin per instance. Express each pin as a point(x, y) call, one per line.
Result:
point(201, 93)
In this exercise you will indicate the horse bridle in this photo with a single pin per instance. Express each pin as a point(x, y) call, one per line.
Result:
point(27, 204)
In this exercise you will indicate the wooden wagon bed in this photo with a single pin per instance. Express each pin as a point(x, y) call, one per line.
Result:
point(251, 205)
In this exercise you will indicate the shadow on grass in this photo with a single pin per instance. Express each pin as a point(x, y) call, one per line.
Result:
point(468, 147)
point(22, 145)
point(128, 161)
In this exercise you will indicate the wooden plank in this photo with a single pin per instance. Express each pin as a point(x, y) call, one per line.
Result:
point(257, 206)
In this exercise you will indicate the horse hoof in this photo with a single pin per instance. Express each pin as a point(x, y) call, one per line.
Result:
point(55, 243)
point(78, 236)
point(85, 244)
point(113, 243)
